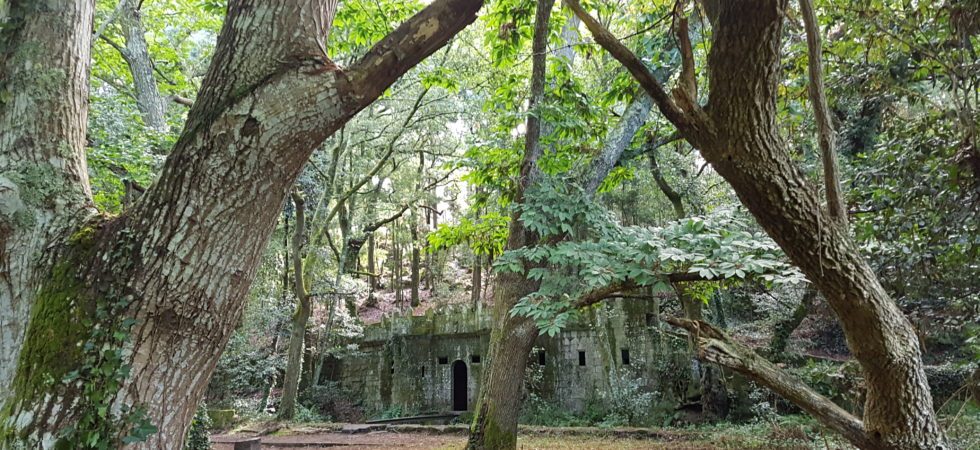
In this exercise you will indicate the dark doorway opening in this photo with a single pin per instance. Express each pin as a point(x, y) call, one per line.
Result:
point(459, 385)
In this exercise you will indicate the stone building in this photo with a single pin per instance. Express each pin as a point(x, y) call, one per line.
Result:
point(435, 362)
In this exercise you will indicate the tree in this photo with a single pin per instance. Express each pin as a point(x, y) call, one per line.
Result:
point(297, 330)
point(737, 133)
point(117, 321)
point(512, 338)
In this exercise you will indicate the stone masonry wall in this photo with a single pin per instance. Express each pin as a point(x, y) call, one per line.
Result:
point(407, 362)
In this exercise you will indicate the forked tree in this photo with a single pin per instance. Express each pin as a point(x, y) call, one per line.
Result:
point(111, 324)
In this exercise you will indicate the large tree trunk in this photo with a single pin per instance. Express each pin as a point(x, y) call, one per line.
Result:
point(511, 340)
point(297, 330)
point(166, 281)
point(743, 63)
point(738, 134)
point(44, 190)
point(495, 420)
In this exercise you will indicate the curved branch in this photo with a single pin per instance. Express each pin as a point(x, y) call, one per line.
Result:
point(717, 347)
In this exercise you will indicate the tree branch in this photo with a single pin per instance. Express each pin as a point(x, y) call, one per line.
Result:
point(686, 92)
point(673, 196)
point(539, 59)
point(410, 43)
point(821, 112)
point(694, 124)
point(182, 100)
point(602, 293)
point(618, 140)
point(717, 347)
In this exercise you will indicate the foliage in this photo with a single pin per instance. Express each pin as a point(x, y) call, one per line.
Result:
point(103, 423)
point(121, 150)
point(628, 399)
point(485, 236)
point(199, 437)
point(331, 403)
point(842, 383)
point(901, 78)
point(601, 253)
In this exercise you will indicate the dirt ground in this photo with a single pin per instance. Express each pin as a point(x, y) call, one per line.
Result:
point(395, 440)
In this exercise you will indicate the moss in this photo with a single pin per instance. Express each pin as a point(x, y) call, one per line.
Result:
point(60, 317)
point(421, 326)
point(38, 183)
point(24, 219)
point(495, 437)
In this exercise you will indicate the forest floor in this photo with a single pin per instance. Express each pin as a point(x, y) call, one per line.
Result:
point(759, 436)
point(791, 432)
point(385, 439)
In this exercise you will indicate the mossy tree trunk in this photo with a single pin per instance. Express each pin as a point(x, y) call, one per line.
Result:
point(301, 316)
point(165, 281)
point(512, 338)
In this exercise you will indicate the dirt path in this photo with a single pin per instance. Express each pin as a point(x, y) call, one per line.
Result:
point(373, 440)
point(396, 440)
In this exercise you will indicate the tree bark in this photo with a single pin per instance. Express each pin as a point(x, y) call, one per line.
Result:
point(136, 53)
point(739, 136)
point(180, 261)
point(674, 197)
point(297, 330)
point(821, 112)
point(44, 189)
point(416, 261)
point(476, 279)
point(371, 268)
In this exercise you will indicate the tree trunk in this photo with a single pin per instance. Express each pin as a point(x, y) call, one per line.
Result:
point(396, 268)
point(495, 419)
point(738, 134)
point(899, 411)
point(416, 261)
point(166, 281)
point(821, 113)
point(373, 279)
point(44, 189)
point(136, 53)
point(297, 329)
point(495, 424)
point(477, 280)
point(784, 329)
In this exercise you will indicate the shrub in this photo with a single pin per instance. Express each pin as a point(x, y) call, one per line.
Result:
point(199, 437)
point(307, 415)
point(331, 402)
point(628, 401)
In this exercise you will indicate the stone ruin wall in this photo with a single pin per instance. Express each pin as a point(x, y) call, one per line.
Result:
point(407, 361)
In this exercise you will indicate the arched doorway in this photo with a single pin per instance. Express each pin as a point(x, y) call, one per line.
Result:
point(459, 392)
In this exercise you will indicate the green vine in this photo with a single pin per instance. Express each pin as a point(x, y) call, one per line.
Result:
point(74, 353)
point(102, 373)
